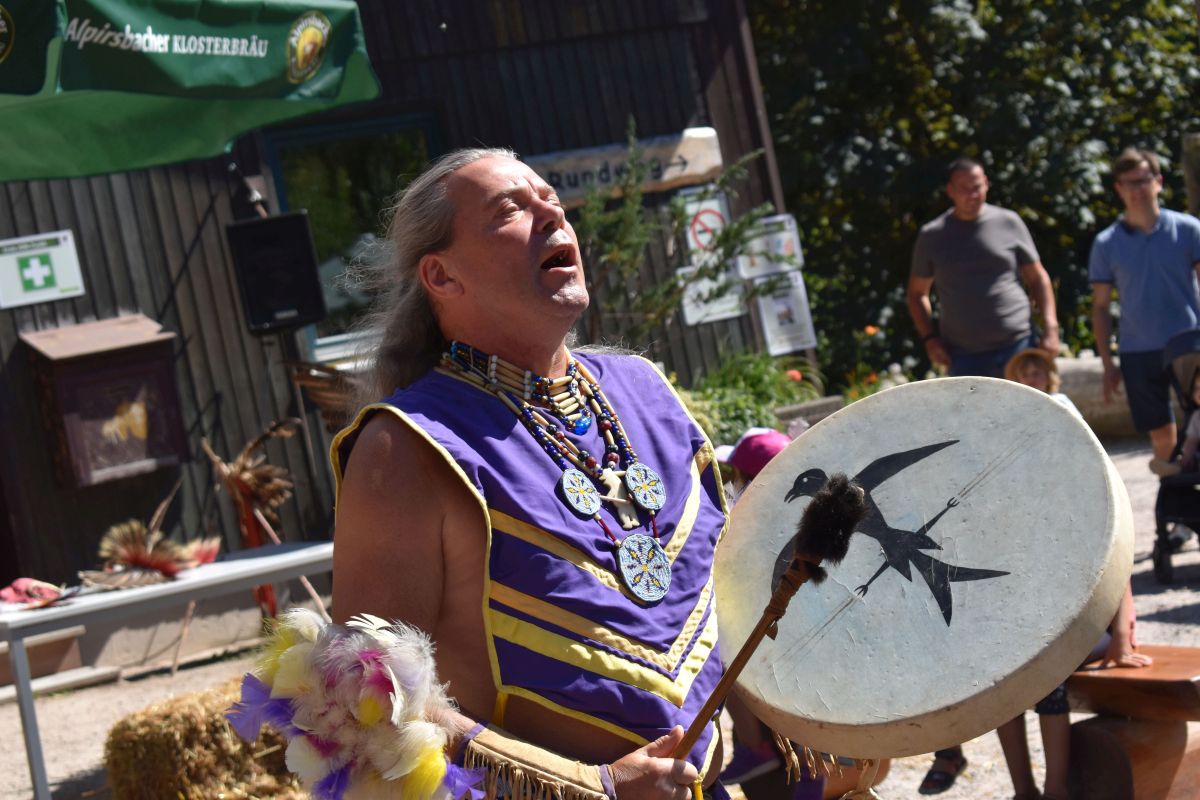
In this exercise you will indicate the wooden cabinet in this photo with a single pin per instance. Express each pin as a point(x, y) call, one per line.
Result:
point(108, 399)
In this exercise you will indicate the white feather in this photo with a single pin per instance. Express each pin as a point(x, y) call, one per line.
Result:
point(304, 760)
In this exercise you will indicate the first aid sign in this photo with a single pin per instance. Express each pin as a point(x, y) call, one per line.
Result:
point(38, 269)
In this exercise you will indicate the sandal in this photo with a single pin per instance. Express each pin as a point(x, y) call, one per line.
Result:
point(939, 780)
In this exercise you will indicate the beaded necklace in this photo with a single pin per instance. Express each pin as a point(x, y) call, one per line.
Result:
point(576, 400)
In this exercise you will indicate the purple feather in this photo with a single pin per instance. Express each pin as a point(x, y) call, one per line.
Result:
point(246, 716)
point(333, 785)
point(256, 707)
point(278, 712)
point(464, 782)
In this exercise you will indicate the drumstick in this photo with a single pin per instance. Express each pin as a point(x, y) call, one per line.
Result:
point(823, 535)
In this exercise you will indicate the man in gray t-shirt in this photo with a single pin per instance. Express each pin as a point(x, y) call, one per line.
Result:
point(978, 255)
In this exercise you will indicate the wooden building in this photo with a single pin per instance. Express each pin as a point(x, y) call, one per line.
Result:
point(536, 75)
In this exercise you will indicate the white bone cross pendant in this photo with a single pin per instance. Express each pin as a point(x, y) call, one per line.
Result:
point(616, 494)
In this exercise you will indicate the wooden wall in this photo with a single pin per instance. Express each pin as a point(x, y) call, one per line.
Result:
point(154, 242)
point(537, 75)
point(546, 75)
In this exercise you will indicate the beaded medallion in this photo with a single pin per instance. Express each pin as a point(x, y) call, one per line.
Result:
point(646, 486)
point(579, 492)
point(575, 401)
point(645, 568)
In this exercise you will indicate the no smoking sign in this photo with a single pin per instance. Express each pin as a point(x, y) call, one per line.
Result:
point(704, 229)
point(707, 216)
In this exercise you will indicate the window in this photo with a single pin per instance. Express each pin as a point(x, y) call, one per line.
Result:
point(345, 179)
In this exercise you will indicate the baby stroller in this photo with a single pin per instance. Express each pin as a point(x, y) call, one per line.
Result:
point(1178, 495)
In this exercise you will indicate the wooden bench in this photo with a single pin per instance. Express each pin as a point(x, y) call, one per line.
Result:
point(1139, 744)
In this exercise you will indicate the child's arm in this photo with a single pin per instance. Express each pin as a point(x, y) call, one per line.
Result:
point(1188, 453)
point(1121, 651)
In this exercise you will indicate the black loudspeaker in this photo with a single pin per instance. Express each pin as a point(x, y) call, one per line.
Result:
point(276, 266)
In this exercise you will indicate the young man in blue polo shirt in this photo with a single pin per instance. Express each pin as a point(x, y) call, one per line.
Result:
point(1152, 256)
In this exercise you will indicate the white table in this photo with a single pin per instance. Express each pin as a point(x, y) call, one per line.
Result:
point(237, 572)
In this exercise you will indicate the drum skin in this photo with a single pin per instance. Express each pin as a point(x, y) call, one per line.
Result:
point(1016, 535)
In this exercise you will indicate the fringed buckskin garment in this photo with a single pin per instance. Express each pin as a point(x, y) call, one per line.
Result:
point(562, 629)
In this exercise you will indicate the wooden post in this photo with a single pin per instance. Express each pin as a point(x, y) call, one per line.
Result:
point(1191, 167)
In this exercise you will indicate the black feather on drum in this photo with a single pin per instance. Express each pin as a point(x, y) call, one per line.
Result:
point(828, 522)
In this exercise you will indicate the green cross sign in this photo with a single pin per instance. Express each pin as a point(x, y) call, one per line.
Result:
point(40, 268)
point(37, 271)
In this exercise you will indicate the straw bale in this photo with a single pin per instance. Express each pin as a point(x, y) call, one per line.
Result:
point(184, 748)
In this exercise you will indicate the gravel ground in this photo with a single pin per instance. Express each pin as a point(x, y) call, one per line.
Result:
point(74, 724)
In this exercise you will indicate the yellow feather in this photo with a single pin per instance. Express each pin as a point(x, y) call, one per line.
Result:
point(369, 711)
point(293, 676)
point(276, 645)
point(426, 777)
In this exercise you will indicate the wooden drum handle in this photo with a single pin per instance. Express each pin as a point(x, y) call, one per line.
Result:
point(797, 575)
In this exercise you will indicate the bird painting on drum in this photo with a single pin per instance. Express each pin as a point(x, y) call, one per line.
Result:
point(901, 548)
point(1025, 488)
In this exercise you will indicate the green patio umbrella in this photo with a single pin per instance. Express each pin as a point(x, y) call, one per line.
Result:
point(96, 86)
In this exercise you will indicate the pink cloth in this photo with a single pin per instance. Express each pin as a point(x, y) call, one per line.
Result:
point(753, 450)
point(29, 590)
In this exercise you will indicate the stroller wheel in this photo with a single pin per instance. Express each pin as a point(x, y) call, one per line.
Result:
point(1178, 536)
point(1163, 571)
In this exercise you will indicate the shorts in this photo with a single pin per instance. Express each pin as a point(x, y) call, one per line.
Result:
point(1147, 387)
point(1055, 702)
point(989, 363)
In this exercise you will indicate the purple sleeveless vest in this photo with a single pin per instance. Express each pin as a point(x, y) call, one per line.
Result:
point(563, 631)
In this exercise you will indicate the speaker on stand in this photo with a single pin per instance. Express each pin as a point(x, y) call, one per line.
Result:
point(275, 263)
point(276, 267)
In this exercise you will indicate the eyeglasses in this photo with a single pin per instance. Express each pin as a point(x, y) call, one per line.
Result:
point(1137, 183)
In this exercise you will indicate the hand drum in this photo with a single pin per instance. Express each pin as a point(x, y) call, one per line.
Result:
point(996, 548)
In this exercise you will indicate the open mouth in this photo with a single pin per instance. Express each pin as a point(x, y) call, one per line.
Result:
point(562, 258)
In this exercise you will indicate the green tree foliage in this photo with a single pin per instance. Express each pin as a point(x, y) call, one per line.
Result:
point(869, 101)
point(744, 392)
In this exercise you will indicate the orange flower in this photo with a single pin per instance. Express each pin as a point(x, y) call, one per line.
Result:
point(795, 375)
point(872, 378)
point(870, 330)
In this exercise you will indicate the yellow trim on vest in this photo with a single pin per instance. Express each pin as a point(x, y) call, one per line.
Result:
point(603, 724)
point(703, 459)
point(706, 455)
point(519, 529)
point(687, 517)
point(500, 708)
point(582, 626)
point(335, 462)
point(568, 651)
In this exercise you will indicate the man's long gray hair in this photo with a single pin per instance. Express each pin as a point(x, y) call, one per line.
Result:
point(402, 318)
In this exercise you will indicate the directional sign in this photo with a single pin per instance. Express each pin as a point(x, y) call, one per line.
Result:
point(39, 268)
point(682, 159)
